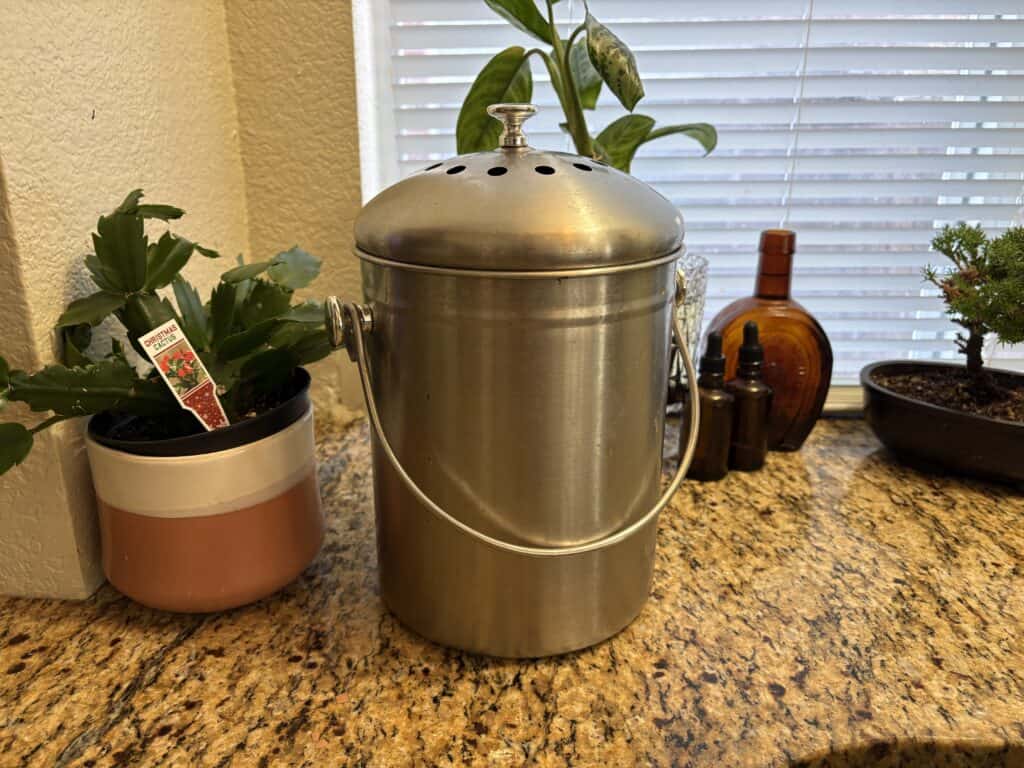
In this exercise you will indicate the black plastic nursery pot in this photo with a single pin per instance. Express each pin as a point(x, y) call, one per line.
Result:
point(209, 521)
point(933, 437)
point(258, 427)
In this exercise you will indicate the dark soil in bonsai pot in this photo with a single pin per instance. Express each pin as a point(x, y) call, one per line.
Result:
point(180, 433)
point(997, 396)
point(939, 437)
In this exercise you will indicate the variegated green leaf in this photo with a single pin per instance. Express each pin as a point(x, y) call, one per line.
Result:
point(588, 80)
point(615, 62)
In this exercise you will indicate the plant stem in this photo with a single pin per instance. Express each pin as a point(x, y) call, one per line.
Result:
point(47, 423)
point(556, 80)
point(570, 99)
point(581, 137)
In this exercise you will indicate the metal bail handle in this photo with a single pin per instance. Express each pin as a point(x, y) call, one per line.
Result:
point(348, 323)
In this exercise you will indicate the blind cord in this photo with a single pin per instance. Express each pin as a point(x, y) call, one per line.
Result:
point(794, 125)
point(569, 146)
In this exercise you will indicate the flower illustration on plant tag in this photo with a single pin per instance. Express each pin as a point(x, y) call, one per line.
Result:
point(181, 369)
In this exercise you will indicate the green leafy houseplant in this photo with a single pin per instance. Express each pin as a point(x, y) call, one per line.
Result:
point(250, 335)
point(578, 66)
point(984, 289)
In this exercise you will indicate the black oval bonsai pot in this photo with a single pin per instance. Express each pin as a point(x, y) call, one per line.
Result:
point(931, 436)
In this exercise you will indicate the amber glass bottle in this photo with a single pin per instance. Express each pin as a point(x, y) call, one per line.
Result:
point(711, 456)
point(798, 356)
point(753, 404)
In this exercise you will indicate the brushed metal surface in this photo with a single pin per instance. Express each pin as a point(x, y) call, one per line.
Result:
point(531, 410)
point(358, 317)
point(519, 208)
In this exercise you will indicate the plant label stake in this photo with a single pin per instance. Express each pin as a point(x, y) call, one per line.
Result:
point(185, 374)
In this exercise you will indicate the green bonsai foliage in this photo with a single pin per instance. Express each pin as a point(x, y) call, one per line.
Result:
point(249, 334)
point(984, 290)
point(578, 66)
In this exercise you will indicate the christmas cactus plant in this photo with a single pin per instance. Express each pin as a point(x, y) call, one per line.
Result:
point(578, 66)
point(250, 334)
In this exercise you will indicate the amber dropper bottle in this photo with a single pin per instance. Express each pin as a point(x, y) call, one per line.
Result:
point(753, 401)
point(711, 457)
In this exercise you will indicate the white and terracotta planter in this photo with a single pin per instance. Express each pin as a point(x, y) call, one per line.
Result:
point(209, 531)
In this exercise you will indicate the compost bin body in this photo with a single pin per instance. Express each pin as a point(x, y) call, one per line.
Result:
point(518, 361)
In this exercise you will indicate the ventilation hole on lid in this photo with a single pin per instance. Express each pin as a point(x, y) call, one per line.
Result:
point(455, 169)
point(432, 167)
point(546, 170)
point(582, 167)
point(497, 171)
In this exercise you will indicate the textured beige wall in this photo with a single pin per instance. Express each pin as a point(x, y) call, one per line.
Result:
point(296, 96)
point(99, 96)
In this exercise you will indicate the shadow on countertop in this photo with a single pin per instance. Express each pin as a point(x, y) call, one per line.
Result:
point(918, 754)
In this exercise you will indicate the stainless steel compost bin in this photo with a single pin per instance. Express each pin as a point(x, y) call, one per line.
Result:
point(514, 348)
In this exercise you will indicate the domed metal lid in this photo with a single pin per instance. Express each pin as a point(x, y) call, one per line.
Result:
point(518, 208)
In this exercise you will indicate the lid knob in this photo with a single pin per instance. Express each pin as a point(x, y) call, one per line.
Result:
point(512, 117)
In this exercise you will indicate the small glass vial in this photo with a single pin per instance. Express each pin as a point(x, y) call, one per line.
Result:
point(711, 456)
point(753, 401)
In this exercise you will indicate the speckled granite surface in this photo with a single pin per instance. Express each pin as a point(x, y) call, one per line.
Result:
point(834, 601)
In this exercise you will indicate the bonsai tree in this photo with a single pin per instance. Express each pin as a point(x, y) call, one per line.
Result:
point(983, 290)
point(578, 66)
point(249, 334)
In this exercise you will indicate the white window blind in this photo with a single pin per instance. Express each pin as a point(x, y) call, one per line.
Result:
point(863, 126)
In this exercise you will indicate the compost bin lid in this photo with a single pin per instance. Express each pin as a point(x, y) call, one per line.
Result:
point(519, 208)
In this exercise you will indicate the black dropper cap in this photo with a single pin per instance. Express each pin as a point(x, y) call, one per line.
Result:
point(751, 353)
point(712, 363)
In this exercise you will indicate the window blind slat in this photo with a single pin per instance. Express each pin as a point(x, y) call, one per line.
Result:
point(710, 33)
point(412, 93)
point(442, 11)
point(738, 59)
point(911, 116)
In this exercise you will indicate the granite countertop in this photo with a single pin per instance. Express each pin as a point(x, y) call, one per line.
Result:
point(833, 601)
